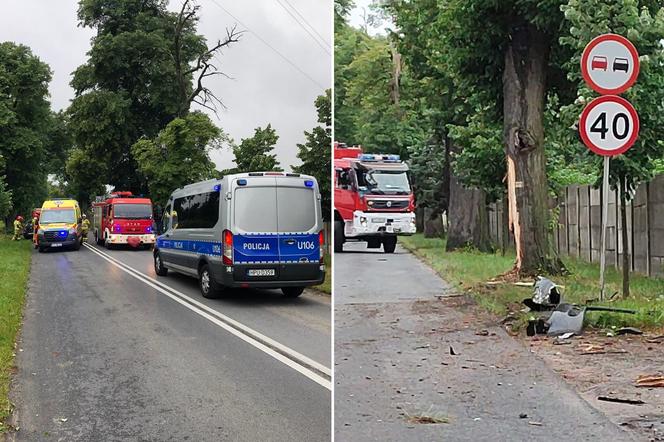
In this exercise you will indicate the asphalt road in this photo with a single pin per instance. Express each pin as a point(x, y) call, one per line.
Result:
point(106, 353)
point(396, 379)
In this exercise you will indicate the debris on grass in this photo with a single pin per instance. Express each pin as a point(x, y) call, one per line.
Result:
point(629, 331)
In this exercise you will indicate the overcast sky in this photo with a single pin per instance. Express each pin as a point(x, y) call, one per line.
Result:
point(264, 88)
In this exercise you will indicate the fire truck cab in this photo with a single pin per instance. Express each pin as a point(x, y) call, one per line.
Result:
point(373, 200)
point(123, 218)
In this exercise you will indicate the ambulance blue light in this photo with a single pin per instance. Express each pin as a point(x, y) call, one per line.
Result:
point(241, 182)
point(367, 157)
point(309, 183)
point(217, 187)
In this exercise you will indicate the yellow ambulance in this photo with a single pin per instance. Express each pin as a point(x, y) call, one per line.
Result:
point(60, 225)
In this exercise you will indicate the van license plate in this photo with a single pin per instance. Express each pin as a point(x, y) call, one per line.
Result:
point(261, 272)
point(57, 244)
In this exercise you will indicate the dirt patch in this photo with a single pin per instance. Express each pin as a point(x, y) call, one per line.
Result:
point(604, 367)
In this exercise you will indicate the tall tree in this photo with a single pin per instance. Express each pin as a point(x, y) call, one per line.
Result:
point(24, 123)
point(508, 52)
point(315, 153)
point(179, 155)
point(139, 76)
point(253, 154)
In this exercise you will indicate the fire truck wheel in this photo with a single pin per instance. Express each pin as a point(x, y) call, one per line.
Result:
point(159, 268)
point(389, 244)
point(209, 287)
point(292, 292)
point(98, 240)
point(338, 237)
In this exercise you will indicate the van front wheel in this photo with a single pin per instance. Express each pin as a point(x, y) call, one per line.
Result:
point(209, 287)
point(292, 292)
point(159, 268)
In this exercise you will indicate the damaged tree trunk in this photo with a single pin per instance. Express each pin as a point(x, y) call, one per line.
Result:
point(468, 218)
point(524, 87)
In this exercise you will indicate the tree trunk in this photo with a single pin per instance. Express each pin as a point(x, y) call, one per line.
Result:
point(625, 246)
point(468, 218)
point(419, 219)
point(433, 223)
point(524, 87)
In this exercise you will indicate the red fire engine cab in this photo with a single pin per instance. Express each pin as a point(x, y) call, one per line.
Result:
point(373, 200)
point(122, 218)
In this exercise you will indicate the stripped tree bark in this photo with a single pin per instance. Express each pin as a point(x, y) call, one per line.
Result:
point(524, 86)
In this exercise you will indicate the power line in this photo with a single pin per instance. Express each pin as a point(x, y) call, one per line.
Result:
point(308, 24)
point(275, 50)
point(313, 37)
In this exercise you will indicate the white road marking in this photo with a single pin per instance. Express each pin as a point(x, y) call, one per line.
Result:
point(293, 359)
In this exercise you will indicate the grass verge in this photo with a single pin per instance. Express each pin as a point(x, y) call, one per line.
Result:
point(469, 270)
point(14, 269)
point(326, 286)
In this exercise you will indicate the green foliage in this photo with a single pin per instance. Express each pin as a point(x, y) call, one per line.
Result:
point(5, 194)
point(315, 152)
point(179, 155)
point(130, 87)
point(24, 125)
point(14, 272)
point(427, 164)
point(253, 154)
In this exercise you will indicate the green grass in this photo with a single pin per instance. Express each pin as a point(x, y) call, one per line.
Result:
point(14, 268)
point(326, 286)
point(469, 270)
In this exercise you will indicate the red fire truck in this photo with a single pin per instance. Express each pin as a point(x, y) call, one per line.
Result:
point(122, 218)
point(373, 200)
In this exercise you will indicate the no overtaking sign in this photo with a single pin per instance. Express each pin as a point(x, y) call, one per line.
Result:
point(609, 124)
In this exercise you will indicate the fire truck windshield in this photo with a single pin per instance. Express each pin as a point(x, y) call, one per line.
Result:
point(387, 182)
point(132, 211)
point(57, 216)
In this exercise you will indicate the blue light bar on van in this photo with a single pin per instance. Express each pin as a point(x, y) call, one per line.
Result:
point(241, 182)
point(309, 183)
point(217, 187)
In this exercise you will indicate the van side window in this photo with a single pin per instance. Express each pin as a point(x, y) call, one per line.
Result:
point(199, 211)
point(166, 218)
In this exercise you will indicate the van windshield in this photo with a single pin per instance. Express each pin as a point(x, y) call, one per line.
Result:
point(53, 216)
point(132, 211)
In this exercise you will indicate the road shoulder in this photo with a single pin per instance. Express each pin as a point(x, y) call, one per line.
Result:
point(433, 369)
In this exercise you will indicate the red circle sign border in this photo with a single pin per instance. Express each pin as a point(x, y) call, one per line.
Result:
point(584, 116)
point(584, 63)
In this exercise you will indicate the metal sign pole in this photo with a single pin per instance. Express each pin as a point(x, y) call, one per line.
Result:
point(605, 215)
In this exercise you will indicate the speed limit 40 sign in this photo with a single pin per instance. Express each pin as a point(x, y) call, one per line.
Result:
point(609, 125)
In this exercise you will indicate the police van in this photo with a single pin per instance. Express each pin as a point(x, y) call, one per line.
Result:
point(251, 230)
